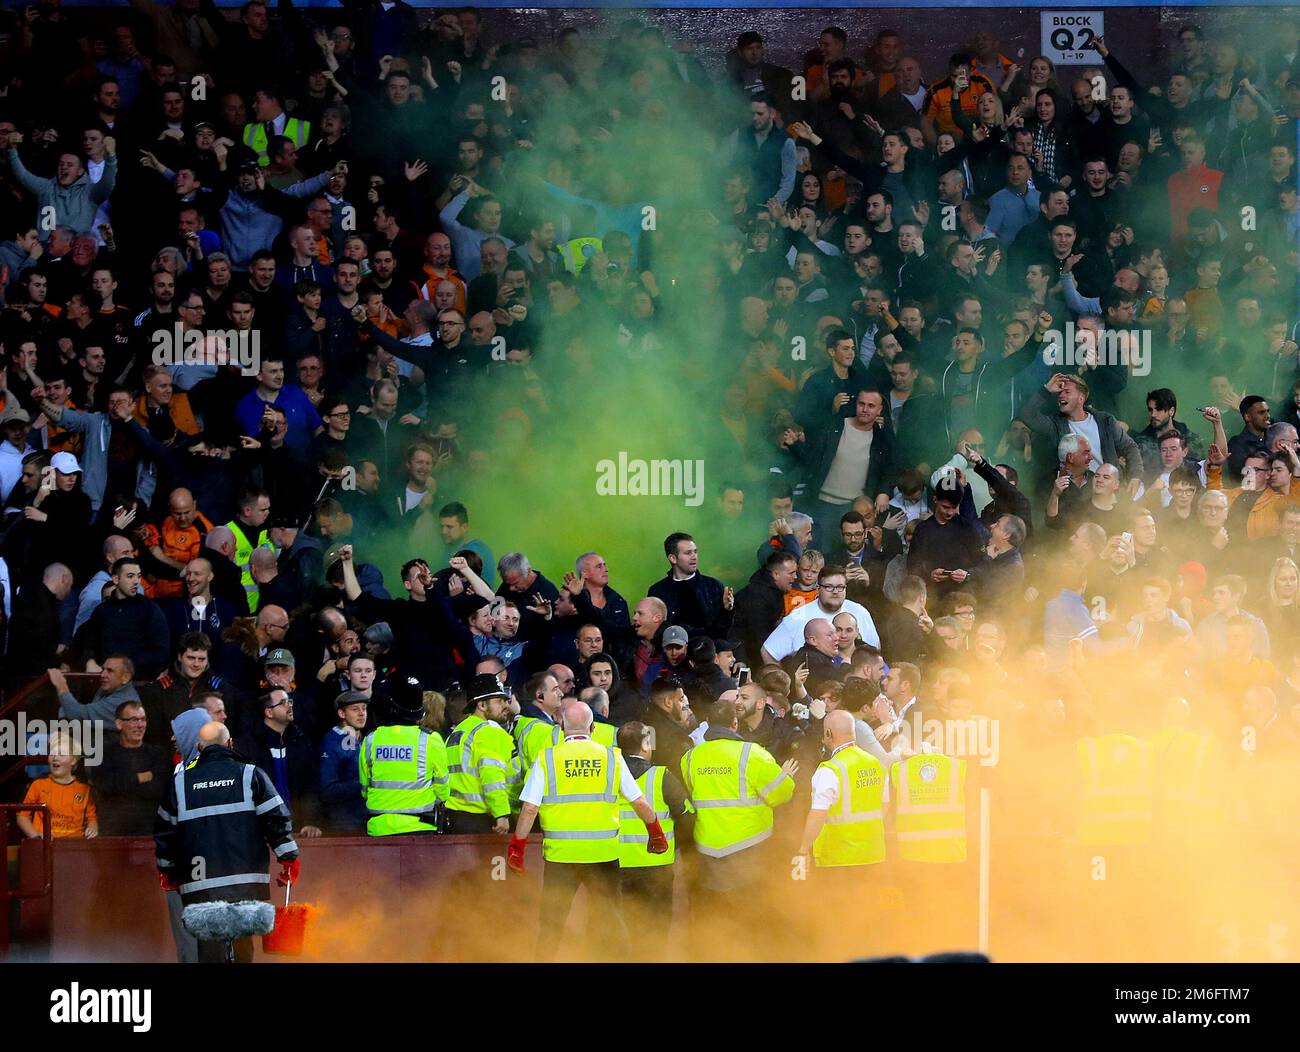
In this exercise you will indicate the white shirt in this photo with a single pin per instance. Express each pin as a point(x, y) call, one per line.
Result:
point(826, 785)
point(535, 787)
point(5, 587)
point(11, 465)
point(1087, 427)
point(95, 172)
point(917, 98)
point(787, 637)
point(847, 476)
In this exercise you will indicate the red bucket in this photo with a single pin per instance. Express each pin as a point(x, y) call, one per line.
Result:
point(286, 938)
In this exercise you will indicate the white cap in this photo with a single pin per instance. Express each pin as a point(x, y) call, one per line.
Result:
point(65, 463)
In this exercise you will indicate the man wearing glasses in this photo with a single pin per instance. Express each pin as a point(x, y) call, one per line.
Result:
point(130, 781)
point(832, 598)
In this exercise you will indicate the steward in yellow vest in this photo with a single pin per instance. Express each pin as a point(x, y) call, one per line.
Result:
point(574, 790)
point(734, 786)
point(268, 107)
point(845, 825)
point(646, 880)
point(536, 728)
point(1117, 790)
point(249, 530)
point(929, 792)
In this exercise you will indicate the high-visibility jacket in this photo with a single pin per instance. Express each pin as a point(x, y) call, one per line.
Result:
point(579, 809)
point(578, 251)
point(531, 737)
point(1189, 781)
point(480, 756)
point(854, 833)
point(403, 772)
point(930, 807)
point(243, 552)
point(255, 137)
point(605, 734)
point(1118, 790)
point(734, 785)
point(632, 833)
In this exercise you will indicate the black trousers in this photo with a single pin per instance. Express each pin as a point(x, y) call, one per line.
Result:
point(606, 936)
point(647, 898)
point(224, 951)
point(464, 822)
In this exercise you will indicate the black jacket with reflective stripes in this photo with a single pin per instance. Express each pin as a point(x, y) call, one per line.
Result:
point(215, 824)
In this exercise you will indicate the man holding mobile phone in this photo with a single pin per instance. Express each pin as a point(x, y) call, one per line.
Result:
point(948, 546)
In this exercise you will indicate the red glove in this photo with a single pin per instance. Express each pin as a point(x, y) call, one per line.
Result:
point(515, 854)
point(288, 873)
point(167, 882)
point(658, 842)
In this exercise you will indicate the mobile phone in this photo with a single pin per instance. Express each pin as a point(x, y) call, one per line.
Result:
point(742, 675)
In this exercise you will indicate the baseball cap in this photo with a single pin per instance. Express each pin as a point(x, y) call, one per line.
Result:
point(484, 686)
point(278, 656)
point(725, 646)
point(15, 412)
point(65, 463)
point(674, 635)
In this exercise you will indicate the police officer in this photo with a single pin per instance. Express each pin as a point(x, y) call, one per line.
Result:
point(480, 763)
point(646, 880)
point(211, 836)
point(574, 789)
point(403, 765)
point(734, 786)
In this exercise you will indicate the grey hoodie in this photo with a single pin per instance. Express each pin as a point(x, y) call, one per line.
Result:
point(185, 729)
point(74, 206)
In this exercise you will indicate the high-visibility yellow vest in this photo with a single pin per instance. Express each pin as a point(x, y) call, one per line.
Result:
point(632, 834)
point(1118, 790)
point(1189, 781)
point(531, 737)
point(854, 833)
point(403, 772)
point(480, 757)
point(578, 251)
point(243, 552)
point(579, 808)
point(255, 137)
point(605, 734)
point(930, 807)
point(733, 785)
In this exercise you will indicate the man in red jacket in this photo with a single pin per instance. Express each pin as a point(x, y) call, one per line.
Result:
point(1196, 186)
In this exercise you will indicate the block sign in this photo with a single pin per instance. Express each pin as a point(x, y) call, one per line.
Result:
point(1067, 36)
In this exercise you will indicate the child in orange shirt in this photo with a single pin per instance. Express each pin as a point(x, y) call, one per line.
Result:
point(805, 585)
point(72, 811)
